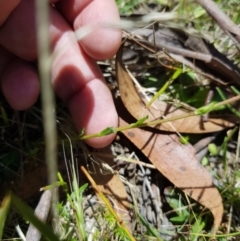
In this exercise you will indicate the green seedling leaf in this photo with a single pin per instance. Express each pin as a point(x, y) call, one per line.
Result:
point(82, 133)
point(176, 204)
point(56, 184)
point(139, 122)
point(4, 207)
point(64, 186)
point(83, 188)
point(204, 161)
point(205, 109)
point(178, 219)
point(198, 12)
point(197, 228)
point(165, 86)
point(235, 90)
point(107, 131)
point(28, 214)
point(212, 148)
point(184, 140)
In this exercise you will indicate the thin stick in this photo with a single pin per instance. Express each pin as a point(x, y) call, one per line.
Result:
point(225, 23)
point(48, 104)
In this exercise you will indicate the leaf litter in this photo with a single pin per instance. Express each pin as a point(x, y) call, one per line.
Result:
point(179, 163)
point(174, 160)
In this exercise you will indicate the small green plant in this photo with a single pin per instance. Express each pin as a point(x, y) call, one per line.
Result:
point(72, 217)
point(185, 217)
point(71, 213)
point(128, 6)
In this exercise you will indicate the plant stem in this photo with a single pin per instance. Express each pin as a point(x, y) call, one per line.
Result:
point(200, 111)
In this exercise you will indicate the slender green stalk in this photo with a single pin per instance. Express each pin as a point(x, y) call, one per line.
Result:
point(165, 86)
point(4, 208)
point(236, 234)
point(154, 232)
point(201, 111)
point(235, 90)
point(227, 139)
point(223, 97)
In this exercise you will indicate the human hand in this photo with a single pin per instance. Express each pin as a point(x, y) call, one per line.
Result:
point(76, 77)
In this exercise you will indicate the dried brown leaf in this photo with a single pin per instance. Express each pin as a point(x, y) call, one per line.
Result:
point(110, 183)
point(178, 163)
point(175, 161)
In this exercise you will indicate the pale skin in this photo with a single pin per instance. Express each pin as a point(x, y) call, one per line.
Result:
point(76, 78)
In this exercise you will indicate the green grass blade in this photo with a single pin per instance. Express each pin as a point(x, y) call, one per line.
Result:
point(227, 139)
point(197, 227)
point(165, 86)
point(3, 212)
point(47, 95)
point(230, 107)
point(235, 90)
point(4, 115)
point(28, 214)
point(150, 230)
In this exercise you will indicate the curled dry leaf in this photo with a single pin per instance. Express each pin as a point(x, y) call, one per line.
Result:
point(110, 183)
point(136, 105)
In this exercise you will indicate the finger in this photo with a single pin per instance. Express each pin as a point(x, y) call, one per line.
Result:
point(6, 8)
point(18, 33)
point(104, 42)
point(93, 109)
point(20, 84)
point(78, 80)
point(74, 73)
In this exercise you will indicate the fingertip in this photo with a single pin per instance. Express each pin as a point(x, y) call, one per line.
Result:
point(104, 42)
point(93, 110)
point(18, 33)
point(101, 142)
point(20, 85)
